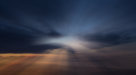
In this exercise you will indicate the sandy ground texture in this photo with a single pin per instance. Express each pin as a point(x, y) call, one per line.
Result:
point(64, 62)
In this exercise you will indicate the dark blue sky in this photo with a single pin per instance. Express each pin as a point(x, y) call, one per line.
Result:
point(105, 22)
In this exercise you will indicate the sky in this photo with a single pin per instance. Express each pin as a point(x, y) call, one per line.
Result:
point(34, 26)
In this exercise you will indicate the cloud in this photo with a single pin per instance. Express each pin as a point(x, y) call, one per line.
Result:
point(113, 38)
point(20, 39)
point(22, 22)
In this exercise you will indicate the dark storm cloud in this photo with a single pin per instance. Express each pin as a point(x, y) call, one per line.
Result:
point(22, 21)
point(117, 25)
point(19, 39)
point(110, 22)
point(113, 38)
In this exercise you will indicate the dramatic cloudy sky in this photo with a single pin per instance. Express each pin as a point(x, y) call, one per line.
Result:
point(38, 25)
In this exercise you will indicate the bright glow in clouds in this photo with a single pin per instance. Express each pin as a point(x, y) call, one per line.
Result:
point(67, 41)
point(72, 42)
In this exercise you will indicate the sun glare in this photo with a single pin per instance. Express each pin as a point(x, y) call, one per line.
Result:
point(69, 41)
